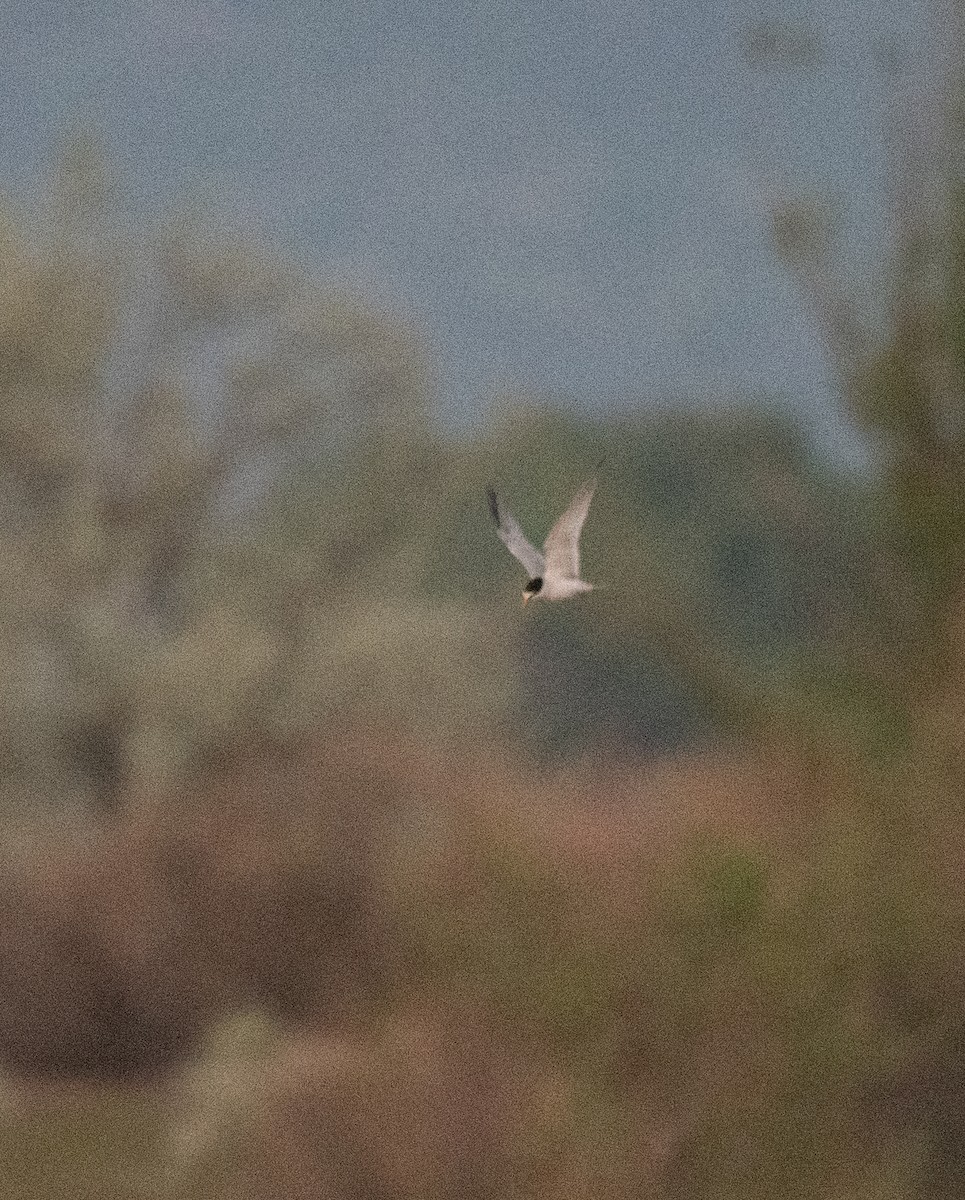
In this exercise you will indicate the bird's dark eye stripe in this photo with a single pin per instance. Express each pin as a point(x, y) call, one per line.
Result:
point(534, 585)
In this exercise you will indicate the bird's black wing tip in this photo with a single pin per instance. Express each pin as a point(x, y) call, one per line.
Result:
point(493, 503)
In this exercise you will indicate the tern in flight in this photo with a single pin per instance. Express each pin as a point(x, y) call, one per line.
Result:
point(554, 574)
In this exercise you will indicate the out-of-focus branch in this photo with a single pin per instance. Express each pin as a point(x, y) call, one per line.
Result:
point(803, 235)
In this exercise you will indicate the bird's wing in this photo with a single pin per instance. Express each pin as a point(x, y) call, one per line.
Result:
point(562, 545)
point(514, 539)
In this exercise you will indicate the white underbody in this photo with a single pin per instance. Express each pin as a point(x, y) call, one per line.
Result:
point(559, 588)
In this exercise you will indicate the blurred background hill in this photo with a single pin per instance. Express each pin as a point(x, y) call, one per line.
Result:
point(328, 871)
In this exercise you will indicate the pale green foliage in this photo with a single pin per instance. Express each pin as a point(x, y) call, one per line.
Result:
point(156, 392)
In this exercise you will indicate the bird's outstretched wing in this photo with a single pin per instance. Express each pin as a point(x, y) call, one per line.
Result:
point(562, 545)
point(514, 539)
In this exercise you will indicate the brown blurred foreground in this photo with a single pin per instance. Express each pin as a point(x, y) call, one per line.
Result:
point(355, 970)
point(280, 883)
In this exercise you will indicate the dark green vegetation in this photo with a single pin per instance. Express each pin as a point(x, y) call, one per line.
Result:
point(332, 873)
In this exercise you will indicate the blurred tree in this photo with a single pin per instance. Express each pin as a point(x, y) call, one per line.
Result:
point(156, 391)
point(901, 370)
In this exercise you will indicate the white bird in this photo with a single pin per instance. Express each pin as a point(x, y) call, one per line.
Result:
point(554, 574)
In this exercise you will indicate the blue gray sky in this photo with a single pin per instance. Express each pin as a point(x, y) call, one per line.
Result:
point(564, 197)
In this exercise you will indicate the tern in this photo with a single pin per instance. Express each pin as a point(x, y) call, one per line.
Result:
point(554, 574)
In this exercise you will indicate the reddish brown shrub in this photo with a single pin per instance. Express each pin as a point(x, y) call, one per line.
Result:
point(263, 884)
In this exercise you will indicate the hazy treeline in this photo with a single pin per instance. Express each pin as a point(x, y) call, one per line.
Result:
point(229, 513)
